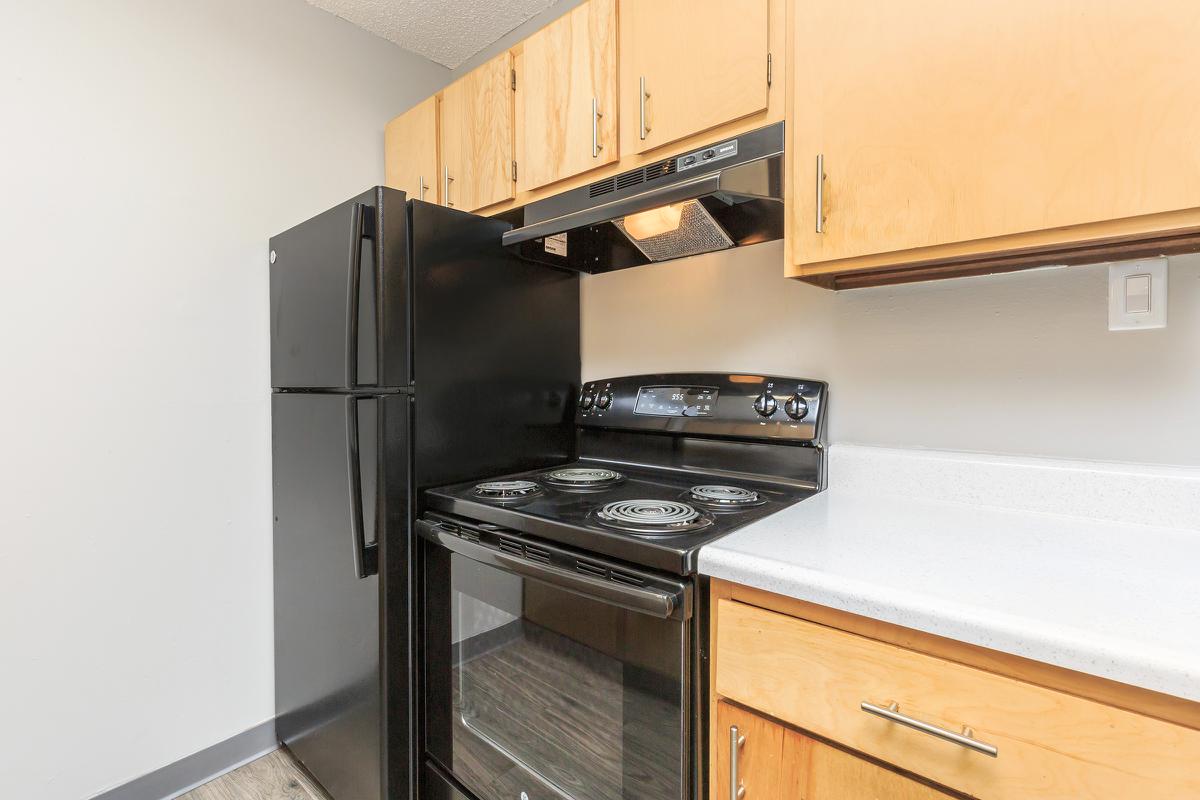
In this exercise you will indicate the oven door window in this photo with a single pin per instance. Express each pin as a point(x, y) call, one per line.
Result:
point(556, 695)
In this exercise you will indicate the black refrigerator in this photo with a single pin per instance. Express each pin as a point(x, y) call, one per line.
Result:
point(408, 349)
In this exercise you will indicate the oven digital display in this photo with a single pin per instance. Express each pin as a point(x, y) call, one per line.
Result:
point(676, 401)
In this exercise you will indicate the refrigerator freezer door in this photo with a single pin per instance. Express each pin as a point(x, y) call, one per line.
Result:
point(339, 297)
point(340, 486)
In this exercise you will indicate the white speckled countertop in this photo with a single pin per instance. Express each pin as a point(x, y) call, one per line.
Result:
point(1105, 596)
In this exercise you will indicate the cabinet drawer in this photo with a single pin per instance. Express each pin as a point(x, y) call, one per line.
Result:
point(1050, 745)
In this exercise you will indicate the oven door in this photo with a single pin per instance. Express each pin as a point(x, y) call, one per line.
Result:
point(544, 681)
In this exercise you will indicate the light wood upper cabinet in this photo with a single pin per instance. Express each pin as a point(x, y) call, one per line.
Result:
point(477, 137)
point(700, 63)
point(566, 97)
point(411, 151)
point(945, 123)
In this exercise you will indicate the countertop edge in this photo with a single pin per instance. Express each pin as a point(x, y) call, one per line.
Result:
point(1036, 640)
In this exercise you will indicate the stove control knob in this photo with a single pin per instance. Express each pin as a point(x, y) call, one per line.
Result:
point(605, 399)
point(765, 404)
point(587, 400)
point(796, 407)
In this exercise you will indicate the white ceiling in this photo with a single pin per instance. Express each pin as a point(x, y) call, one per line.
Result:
point(446, 31)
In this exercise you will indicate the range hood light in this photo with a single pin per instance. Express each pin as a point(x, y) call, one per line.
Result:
point(655, 222)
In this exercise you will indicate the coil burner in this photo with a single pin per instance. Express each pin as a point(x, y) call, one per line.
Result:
point(507, 491)
point(652, 517)
point(583, 478)
point(724, 498)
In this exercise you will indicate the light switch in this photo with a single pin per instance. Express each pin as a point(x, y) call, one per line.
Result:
point(1137, 295)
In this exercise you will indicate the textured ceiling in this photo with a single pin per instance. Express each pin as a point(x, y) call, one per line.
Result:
point(446, 31)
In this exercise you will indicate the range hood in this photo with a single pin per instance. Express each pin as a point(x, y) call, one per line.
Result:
point(729, 194)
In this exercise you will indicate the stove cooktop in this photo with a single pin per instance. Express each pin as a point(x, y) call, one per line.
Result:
point(654, 518)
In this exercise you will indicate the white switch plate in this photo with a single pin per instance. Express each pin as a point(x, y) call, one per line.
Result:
point(1128, 309)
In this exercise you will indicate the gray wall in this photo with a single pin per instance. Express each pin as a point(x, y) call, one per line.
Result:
point(1013, 364)
point(150, 149)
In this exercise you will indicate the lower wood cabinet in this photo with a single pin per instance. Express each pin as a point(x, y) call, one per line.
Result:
point(816, 771)
point(753, 748)
point(966, 730)
point(778, 763)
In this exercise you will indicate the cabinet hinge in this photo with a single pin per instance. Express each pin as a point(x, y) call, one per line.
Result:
point(513, 73)
point(514, 170)
point(768, 70)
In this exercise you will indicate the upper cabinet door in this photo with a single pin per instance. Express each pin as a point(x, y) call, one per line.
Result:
point(689, 65)
point(477, 137)
point(941, 122)
point(411, 151)
point(567, 96)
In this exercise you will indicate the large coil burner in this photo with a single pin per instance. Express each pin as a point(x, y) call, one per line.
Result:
point(652, 517)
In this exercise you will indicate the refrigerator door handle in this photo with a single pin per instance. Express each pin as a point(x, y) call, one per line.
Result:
point(366, 557)
point(360, 228)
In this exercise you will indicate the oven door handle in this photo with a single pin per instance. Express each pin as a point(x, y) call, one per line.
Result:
point(653, 602)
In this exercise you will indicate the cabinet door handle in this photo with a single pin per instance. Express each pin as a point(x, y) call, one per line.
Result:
point(736, 789)
point(422, 186)
point(642, 107)
point(446, 185)
point(596, 115)
point(966, 738)
point(820, 193)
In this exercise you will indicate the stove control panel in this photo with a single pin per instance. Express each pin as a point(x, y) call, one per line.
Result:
point(733, 405)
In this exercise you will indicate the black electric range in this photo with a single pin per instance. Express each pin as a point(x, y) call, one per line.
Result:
point(668, 463)
point(655, 518)
point(564, 624)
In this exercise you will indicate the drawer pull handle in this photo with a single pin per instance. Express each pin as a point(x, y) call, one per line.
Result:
point(965, 739)
point(736, 789)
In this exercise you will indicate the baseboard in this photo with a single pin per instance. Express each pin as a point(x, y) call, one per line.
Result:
point(191, 771)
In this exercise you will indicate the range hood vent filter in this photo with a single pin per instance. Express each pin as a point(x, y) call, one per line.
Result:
point(697, 233)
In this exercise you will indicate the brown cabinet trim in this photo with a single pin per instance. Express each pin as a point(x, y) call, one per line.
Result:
point(1090, 687)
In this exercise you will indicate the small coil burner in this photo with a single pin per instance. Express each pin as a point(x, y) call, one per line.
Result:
point(724, 498)
point(652, 517)
point(501, 491)
point(583, 478)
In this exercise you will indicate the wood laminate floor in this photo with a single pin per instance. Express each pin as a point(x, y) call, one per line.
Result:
point(275, 776)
